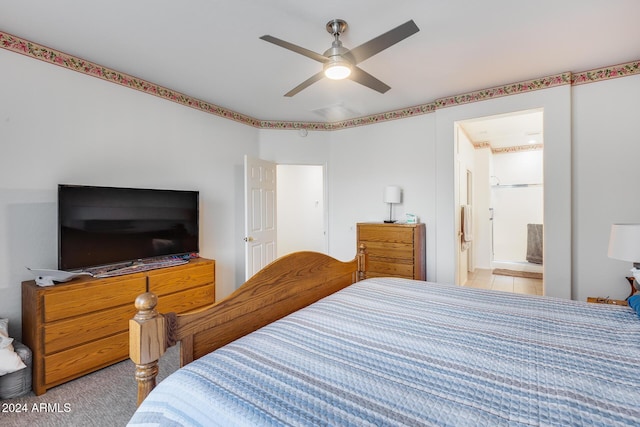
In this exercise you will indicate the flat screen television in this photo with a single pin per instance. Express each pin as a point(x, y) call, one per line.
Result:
point(100, 226)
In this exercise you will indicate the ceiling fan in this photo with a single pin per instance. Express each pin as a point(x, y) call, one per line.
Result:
point(340, 62)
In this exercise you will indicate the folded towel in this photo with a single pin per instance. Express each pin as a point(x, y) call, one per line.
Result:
point(465, 227)
point(534, 243)
point(467, 222)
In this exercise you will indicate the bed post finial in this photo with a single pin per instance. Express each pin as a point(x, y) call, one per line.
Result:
point(146, 342)
point(362, 262)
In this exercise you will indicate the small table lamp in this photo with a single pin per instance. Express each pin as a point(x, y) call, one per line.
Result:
point(392, 194)
point(624, 244)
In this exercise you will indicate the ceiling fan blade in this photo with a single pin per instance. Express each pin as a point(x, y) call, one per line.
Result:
point(305, 84)
point(360, 76)
point(383, 41)
point(295, 48)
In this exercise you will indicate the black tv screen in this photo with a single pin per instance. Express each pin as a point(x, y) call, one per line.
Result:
point(106, 225)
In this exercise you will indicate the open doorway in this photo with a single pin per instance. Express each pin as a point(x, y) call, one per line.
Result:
point(301, 209)
point(506, 160)
point(285, 211)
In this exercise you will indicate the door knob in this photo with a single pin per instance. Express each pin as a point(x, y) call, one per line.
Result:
point(248, 239)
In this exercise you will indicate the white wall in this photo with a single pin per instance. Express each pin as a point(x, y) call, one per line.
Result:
point(290, 147)
point(64, 127)
point(520, 167)
point(606, 169)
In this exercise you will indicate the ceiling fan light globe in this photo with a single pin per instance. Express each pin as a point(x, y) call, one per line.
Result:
point(337, 71)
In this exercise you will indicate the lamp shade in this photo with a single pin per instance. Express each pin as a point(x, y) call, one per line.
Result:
point(392, 194)
point(624, 242)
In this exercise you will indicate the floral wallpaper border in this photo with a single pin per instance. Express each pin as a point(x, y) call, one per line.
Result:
point(360, 121)
point(610, 72)
point(506, 150)
point(517, 149)
point(510, 89)
point(37, 51)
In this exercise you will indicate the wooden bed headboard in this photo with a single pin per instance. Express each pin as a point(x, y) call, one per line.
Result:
point(282, 287)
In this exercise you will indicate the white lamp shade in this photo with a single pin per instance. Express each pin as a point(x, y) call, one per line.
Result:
point(624, 242)
point(392, 194)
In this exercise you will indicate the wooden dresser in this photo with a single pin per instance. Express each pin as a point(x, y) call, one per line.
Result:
point(396, 250)
point(81, 326)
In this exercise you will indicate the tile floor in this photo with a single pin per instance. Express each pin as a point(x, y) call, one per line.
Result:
point(486, 280)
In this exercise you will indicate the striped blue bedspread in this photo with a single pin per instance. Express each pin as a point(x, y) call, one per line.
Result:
point(400, 352)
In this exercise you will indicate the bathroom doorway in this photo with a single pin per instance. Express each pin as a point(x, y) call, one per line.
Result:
point(507, 160)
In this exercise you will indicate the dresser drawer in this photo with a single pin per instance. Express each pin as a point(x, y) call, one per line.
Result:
point(68, 333)
point(86, 358)
point(381, 268)
point(190, 299)
point(385, 233)
point(176, 279)
point(388, 250)
point(92, 297)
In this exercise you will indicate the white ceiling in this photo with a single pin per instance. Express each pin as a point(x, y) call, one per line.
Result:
point(210, 49)
point(520, 129)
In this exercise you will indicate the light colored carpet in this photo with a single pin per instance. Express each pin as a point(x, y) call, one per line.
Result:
point(103, 398)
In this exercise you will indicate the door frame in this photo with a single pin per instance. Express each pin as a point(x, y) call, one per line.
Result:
point(557, 164)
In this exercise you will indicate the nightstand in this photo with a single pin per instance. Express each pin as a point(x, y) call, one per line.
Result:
point(599, 300)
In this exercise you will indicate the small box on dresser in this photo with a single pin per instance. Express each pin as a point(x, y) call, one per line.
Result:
point(393, 249)
point(81, 326)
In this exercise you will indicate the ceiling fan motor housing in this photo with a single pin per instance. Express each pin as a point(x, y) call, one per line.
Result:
point(336, 51)
point(335, 27)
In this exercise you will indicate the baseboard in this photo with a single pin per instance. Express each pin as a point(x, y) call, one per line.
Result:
point(527, 274)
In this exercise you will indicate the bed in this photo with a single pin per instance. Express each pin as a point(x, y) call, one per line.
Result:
point(346, 350)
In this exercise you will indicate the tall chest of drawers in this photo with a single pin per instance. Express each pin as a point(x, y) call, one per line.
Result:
point(78, 327)
point(393, 250)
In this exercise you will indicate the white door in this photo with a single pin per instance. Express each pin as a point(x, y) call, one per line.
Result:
point(260, 214)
